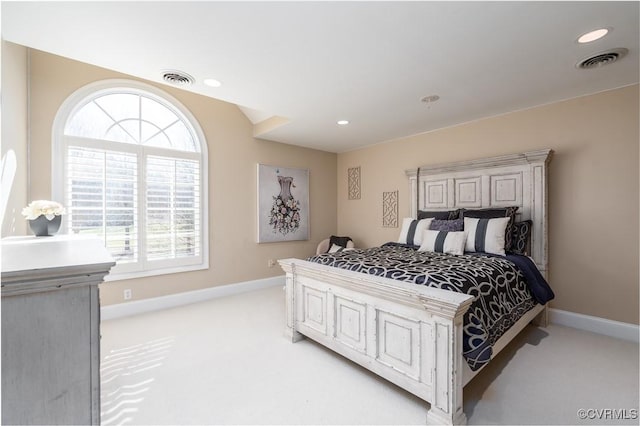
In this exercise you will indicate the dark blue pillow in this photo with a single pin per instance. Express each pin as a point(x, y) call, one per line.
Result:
point(438, 214)
point(447, 225)
point(339, 241)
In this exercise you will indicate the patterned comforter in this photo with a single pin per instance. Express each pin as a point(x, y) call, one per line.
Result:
point(501, 292)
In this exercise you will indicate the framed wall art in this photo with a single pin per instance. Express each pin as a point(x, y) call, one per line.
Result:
point(353, 177)
point(390, 209)
point(283, 204)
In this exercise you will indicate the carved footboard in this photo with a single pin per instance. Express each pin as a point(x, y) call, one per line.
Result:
point(411, 335)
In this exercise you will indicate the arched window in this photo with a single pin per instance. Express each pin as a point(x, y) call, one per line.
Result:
point(130, 165)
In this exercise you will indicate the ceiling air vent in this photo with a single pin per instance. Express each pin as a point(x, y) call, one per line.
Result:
point(177, 78)
point(602, 58)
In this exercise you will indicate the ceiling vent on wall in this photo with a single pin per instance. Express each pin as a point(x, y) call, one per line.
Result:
point(178, 78)
point(602, 58)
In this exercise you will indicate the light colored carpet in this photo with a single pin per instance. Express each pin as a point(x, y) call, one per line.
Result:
point(226, 361)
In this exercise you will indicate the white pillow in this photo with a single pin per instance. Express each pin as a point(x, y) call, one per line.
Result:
point(444, 242)
point(412, 229)
point(335, 248)
point(486, 235)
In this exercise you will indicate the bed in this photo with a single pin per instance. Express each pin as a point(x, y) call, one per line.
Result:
point(414, 335)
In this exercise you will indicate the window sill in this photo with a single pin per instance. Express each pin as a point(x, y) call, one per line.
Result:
point(155, 272)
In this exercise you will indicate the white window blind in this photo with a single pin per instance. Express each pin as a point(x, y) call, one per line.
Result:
point(102, 198)
point(173, 203)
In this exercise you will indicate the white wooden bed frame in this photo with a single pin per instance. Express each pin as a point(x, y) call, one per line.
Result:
point(411, 334)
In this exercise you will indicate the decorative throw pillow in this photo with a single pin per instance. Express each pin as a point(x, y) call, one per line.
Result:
point(509, 212)
point(438, 214)
point(412, 229)
point(456, 225)
point(339, 241)
point(444, 242)
point(520, 237)
point(486, 235)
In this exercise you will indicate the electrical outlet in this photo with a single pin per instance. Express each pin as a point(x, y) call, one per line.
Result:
point(127, 294)
point(271, 263)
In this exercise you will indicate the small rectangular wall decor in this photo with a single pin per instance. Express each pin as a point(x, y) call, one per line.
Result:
point(283, 204)
point(354, 183)
point(390, 209)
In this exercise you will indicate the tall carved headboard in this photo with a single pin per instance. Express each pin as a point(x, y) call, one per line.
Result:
point(508, 180)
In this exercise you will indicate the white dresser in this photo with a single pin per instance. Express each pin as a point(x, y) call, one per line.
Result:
point(51, 329)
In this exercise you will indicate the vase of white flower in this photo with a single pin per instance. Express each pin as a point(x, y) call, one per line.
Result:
point(44, 217)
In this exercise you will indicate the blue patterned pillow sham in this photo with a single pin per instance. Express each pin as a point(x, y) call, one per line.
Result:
point(447, 225)
point(520, 237)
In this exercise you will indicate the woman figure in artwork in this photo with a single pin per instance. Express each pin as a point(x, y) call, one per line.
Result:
point(285, 212)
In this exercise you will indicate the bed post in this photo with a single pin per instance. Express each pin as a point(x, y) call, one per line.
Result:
point(290, 303)
point(539, 165)
point(446, 343)
point(542, 319)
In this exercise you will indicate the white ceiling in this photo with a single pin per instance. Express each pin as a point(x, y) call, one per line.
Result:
point(314, 63)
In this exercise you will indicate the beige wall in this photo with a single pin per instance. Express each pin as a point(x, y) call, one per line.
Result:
point(233, 154)
point(593, 190)
point(593, 182)
point(14, 132)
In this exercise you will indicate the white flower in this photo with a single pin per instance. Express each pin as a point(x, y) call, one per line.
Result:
point(49, 209)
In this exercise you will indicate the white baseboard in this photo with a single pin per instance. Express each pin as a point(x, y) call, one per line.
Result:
point(164, 302)
point(620, 330)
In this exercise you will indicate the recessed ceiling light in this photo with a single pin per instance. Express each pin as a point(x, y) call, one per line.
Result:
point(343, 122)
point(212, 82)
point(593, 35)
